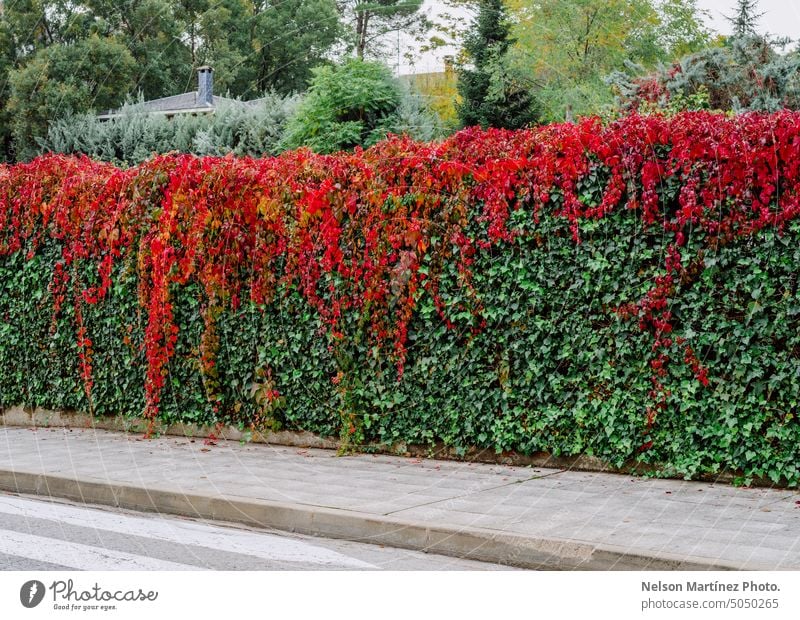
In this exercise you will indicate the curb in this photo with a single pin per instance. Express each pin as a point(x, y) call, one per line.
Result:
point(471, 543)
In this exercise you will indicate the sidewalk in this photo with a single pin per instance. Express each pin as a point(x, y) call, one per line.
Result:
point(529, 517)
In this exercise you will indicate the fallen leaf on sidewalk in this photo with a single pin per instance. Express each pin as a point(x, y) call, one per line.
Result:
point(205, 449)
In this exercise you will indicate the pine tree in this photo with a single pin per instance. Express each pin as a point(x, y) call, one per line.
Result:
point(492, 93)
point(745, 22)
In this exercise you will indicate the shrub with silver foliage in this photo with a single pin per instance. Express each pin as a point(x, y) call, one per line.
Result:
point(242, 129)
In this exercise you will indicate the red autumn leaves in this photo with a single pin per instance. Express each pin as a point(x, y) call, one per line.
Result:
point(352, 231)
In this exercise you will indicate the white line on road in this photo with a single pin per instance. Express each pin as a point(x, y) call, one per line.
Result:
point(189, 533)
point(81, 557)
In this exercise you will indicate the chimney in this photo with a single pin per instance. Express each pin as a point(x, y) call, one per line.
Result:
point(205, 86)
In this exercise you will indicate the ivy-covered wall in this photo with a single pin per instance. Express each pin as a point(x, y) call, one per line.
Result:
point(626, 291)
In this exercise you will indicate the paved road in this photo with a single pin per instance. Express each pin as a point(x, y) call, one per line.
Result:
point(41, 535)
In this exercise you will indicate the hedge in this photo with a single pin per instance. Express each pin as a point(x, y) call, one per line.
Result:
point(627, 291)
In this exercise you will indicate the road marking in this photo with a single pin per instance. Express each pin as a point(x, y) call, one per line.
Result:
point(188, 533)
point(81, 557)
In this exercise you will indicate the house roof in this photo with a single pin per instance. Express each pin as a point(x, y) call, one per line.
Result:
point(185, 103)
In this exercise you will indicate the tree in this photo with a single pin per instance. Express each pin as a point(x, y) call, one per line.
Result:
point(226, 43)
point(6, 64)
point(354, 104)
point(745, 21)
point(747, 73)
point(38, 23)
point(569, 47)
point(372, 19)
point(219, 33)
point(27, 26)
point(91, 74)
point(188, 13)
point(154, 36)
point(254, 45)
point(290, 37)
point(492, 94)
point(683, 30)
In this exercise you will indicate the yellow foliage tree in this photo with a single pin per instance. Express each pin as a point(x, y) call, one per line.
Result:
point(570, 46)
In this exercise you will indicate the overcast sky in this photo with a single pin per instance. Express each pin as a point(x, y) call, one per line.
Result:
point(781, 18)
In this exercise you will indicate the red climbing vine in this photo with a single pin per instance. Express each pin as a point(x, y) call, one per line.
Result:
point(351, 231)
